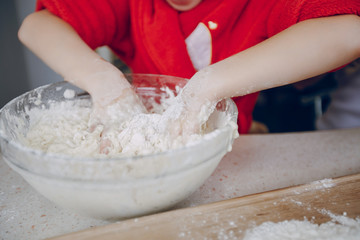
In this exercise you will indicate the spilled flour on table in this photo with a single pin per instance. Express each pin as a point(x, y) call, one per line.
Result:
point(65, 127)
point(340, 227)
point(306, 230)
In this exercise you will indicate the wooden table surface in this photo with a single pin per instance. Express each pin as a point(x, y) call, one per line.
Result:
point(319, 201)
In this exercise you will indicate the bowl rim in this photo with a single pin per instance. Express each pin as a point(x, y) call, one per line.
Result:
point(68, 158)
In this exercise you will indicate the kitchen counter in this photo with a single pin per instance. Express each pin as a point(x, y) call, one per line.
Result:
point(256, 164)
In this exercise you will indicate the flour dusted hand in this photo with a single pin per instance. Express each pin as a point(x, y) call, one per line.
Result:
point(113, 115)
point(186, 117)
point(125, 107)
point(113, 98)
point(192, 107)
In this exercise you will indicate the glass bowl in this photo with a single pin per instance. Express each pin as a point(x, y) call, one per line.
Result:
point(112, 188)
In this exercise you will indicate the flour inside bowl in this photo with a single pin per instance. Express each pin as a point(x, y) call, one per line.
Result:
point(65, 127)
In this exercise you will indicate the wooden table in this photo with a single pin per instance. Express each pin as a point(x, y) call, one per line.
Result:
point(319, 201)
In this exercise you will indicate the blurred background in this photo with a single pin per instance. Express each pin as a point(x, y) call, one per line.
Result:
point(20, 70)
point(309, 105)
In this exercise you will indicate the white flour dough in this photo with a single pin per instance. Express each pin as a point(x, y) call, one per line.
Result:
point(64, 128)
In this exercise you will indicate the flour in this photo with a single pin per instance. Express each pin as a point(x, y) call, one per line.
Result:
point(306, 230)
point(69, 94)
point(66, 128)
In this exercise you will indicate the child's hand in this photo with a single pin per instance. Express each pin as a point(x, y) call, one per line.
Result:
point(109, 113)
point(189, 114)
point(114, 114)
point(114, 100)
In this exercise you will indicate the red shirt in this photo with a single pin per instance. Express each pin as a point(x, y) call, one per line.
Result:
point(149, 35)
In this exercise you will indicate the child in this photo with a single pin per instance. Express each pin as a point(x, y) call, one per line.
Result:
point(229, 48)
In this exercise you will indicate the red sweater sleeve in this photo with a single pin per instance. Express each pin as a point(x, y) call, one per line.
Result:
point(96, 21)
point(288, 12)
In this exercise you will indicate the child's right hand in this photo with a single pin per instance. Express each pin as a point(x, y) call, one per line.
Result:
point(114, 101)
point(111, 115)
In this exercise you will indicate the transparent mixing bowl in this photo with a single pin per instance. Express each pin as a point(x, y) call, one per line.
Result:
point(112, 188)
